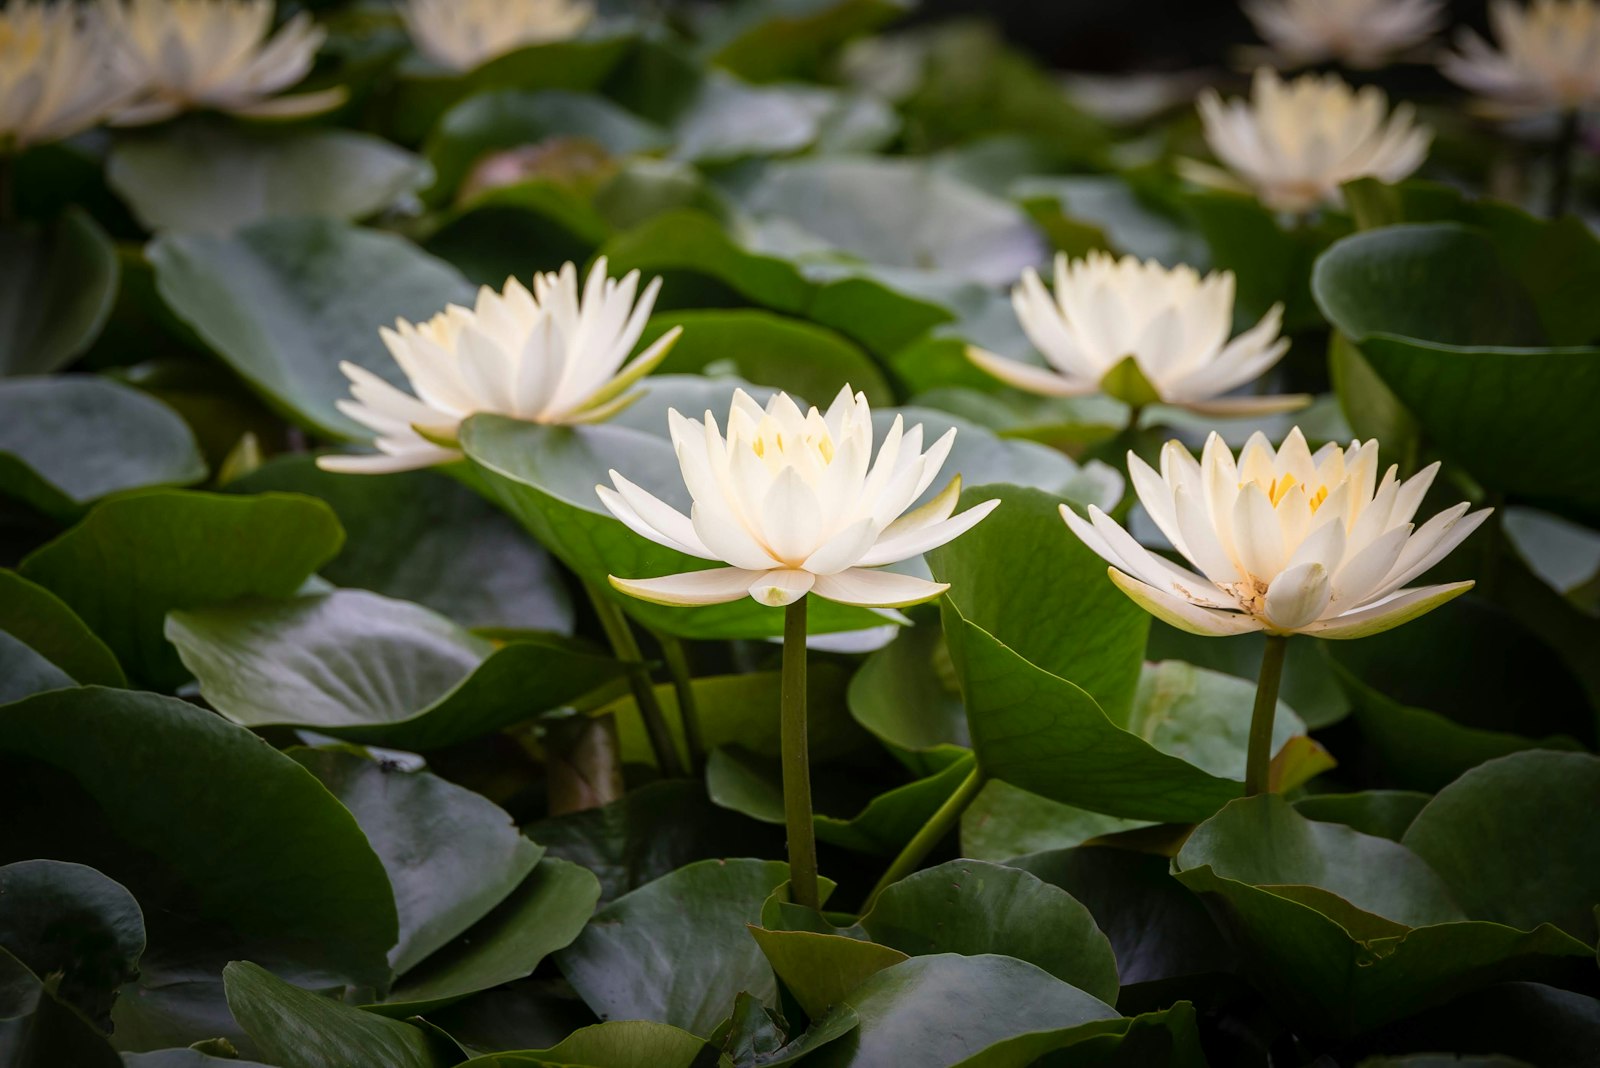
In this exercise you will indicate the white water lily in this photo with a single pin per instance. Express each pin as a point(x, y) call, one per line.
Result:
point(545, 356)
point(464, 34)
point(1285, 541)
point(1357, 33)
point(218, 55)
point(1295, 143)
point(795, 504)
point(56, 73)
point(1172, 323)
point(1548, 59)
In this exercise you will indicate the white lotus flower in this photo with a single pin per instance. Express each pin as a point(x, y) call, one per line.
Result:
point(1295, 143)
point(545, 357)
point(1548, 58)
point(218, 55)
point(56, 73)
point(796, 505)
point(464, 34)
point(1285, 541)
point(1173, 324)
point(1357, 33)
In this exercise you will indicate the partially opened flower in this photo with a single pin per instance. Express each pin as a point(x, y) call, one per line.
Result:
point(218, 55)
point(464, 34)
point(1283, 541)
point(1295, 143)
point(1548, 59)
point(1357, 33)
point(57, 78)
point(794, 503)
point(546, 356)
point(1172, 324)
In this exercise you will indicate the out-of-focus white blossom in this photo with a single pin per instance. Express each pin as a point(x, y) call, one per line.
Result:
point(464, 34)
point(1546, 58)
point(1357, 33)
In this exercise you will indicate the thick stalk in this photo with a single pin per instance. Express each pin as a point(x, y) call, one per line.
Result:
point(626, 648)
point(1258, 763)
point(797, 760)
point(688, 708)
point(939, 824)
point(1565, 157)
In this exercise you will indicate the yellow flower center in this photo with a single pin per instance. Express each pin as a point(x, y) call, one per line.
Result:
point(1280, 487)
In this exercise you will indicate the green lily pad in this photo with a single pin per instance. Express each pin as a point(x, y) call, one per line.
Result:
point(215, 177)
point(42, 621)
point(973, 907)
point(25, 672)
point(821, 969)
point(237, 833)
point(420, 536)
point(66, 442)
point(298, 1029)
point(1527, 812)
point(359, 666)
point(1005, 821)
point(490, 236)
point(907, 695)
point(1308, 684)
point(194, 549)
point(59, 282)
point(676, 950)
point(285, 301)
point(765, 40)
point(615, 1044)
point(1381, 813)
point(42, 1030)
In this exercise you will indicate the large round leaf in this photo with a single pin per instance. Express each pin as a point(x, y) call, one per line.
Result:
point(451, 854)
point(355, 665)
point(192, 549)
point(1523, 813)
point(973, 907)
point(419, 536)
point(66, 442)
point(676, 950)
point(215, 177)
point(764, 41)
point(1006, 821)
point(218, 820)
point(614, 1044)
point(25, 672)
point(57, 284)
point(285, 301)
point(39, 619)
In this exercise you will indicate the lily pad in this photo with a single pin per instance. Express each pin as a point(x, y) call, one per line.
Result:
point(66, 442)
point(359, 666)
point(195, 548)
point(1005, 821)
point(285, 301)
point(615, 1044)
point(764, 40)
point(42, 621)
point(59, 282)
point(821, 969)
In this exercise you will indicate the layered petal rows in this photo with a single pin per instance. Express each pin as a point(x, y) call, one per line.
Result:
point(549, 355)
point(1173, 323)
point(795, 503)
point(464, 34)
point(220, 55)
point(1548, 59)
point(57, 73)
point(1284, 541)
point(1357, 33)
point(1295, 143)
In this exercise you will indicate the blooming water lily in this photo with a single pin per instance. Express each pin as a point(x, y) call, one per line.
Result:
point(1358, 33)
point(464, 34)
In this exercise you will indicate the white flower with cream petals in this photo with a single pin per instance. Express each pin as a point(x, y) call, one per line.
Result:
point(1173, 324)
point(1548, 59)
point(218, 55)
point(1357, 33)
point(1295, 143)
point(1284, 541)
point(57, 78)
point(795, 504)
point(546, 356)
point(465, 34)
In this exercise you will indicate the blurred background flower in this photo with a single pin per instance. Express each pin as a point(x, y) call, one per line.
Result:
point(1545, 59)
point(57, 77)
point(1356, 33)
point(463, 34)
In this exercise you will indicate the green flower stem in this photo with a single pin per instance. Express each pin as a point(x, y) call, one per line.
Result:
point(797, 761)
point(626, 648)
point(688, 708)
point(1565, 157)
point(939, 825)
point(1258, 765)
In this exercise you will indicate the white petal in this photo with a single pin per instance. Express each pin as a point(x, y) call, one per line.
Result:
point(1029, 378)
point(1257, 533)
point(911, 543)
point(844, 549)
point(1298, 596)
point(790, 518)
point(1185, 615)
point(1358, 579)
point(877, 589)
point(781, 587)
point(1390, 612)
point(647, 515)
point(719, 585)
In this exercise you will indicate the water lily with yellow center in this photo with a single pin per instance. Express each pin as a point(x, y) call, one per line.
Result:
point(1172, 325)
point(217, 55)
point(57, 78)
point(465, 34)
point(1295, 143)
point(1357, 33)
point(794, 503)
point(550, 355)
point(1283, 540)
point(1547, 59)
